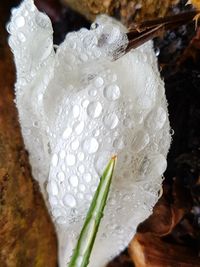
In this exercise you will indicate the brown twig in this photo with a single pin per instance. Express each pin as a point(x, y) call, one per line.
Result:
point(147, 30)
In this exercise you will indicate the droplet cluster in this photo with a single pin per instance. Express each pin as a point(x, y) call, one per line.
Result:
point(78, 107)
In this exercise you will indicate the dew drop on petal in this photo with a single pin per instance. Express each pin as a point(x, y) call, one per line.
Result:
point(81, 156)
point(90, 145)
point(69, 200)
point(67, 133)
point(75, 145)
point(112, 92)
point(76, 111)
point(98, 82)
point(81, 168)
point(85, 103)
point(111, 120)
point(70, 159)
point(73, 180)
point(78, 127)
point(94, 109)
point(62, 154)
point(61, 176)
point(21, 37)
point(20, 21)
point(54, 160)
point(52, 188)
point(82, 187)
point(93, 92)
point(87, 177)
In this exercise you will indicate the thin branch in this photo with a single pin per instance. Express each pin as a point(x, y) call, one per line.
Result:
point(147, 30)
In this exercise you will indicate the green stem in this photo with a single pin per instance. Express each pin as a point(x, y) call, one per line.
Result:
point(82, 252)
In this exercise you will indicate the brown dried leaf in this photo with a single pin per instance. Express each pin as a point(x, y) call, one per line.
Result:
point(147, 250)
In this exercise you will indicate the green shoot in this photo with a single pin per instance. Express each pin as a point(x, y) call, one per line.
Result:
point(83, 249)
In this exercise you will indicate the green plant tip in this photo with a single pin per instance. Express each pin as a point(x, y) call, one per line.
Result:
point(83, 249)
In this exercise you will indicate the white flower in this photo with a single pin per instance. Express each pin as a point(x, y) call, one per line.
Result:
point(77, 107)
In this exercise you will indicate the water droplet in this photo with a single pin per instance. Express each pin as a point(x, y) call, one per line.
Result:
point(84, 57)
point(53, 200)
point(56, 212)
point(79, 261)
point(82, 187)
point(67, 133)
point(92, 92)
point(112, 92)
point(85, 103)
point(94, 109)
point(19, 21)
point(9, 28)
point(75, 145)
point(52, 188)
point(40, 97)
point(98, 82)
point(88, 197)
point(63, 167)
point(62, 154)
point(96, 132)
point(157, 51)
point(69, 200)
point(111, 120)
point(61, 220)
point(70, 159)
point(54, 160)
point(93, 188)
point(79, 126)
point(61, 176)
point(128, 122)
point(81, 168)
point(35, 124)
point(87, 177)
point(156, 119)
point(81, 156)
point(21, 37)
point(73, 180)
point(76, 111)
point(90, 145)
